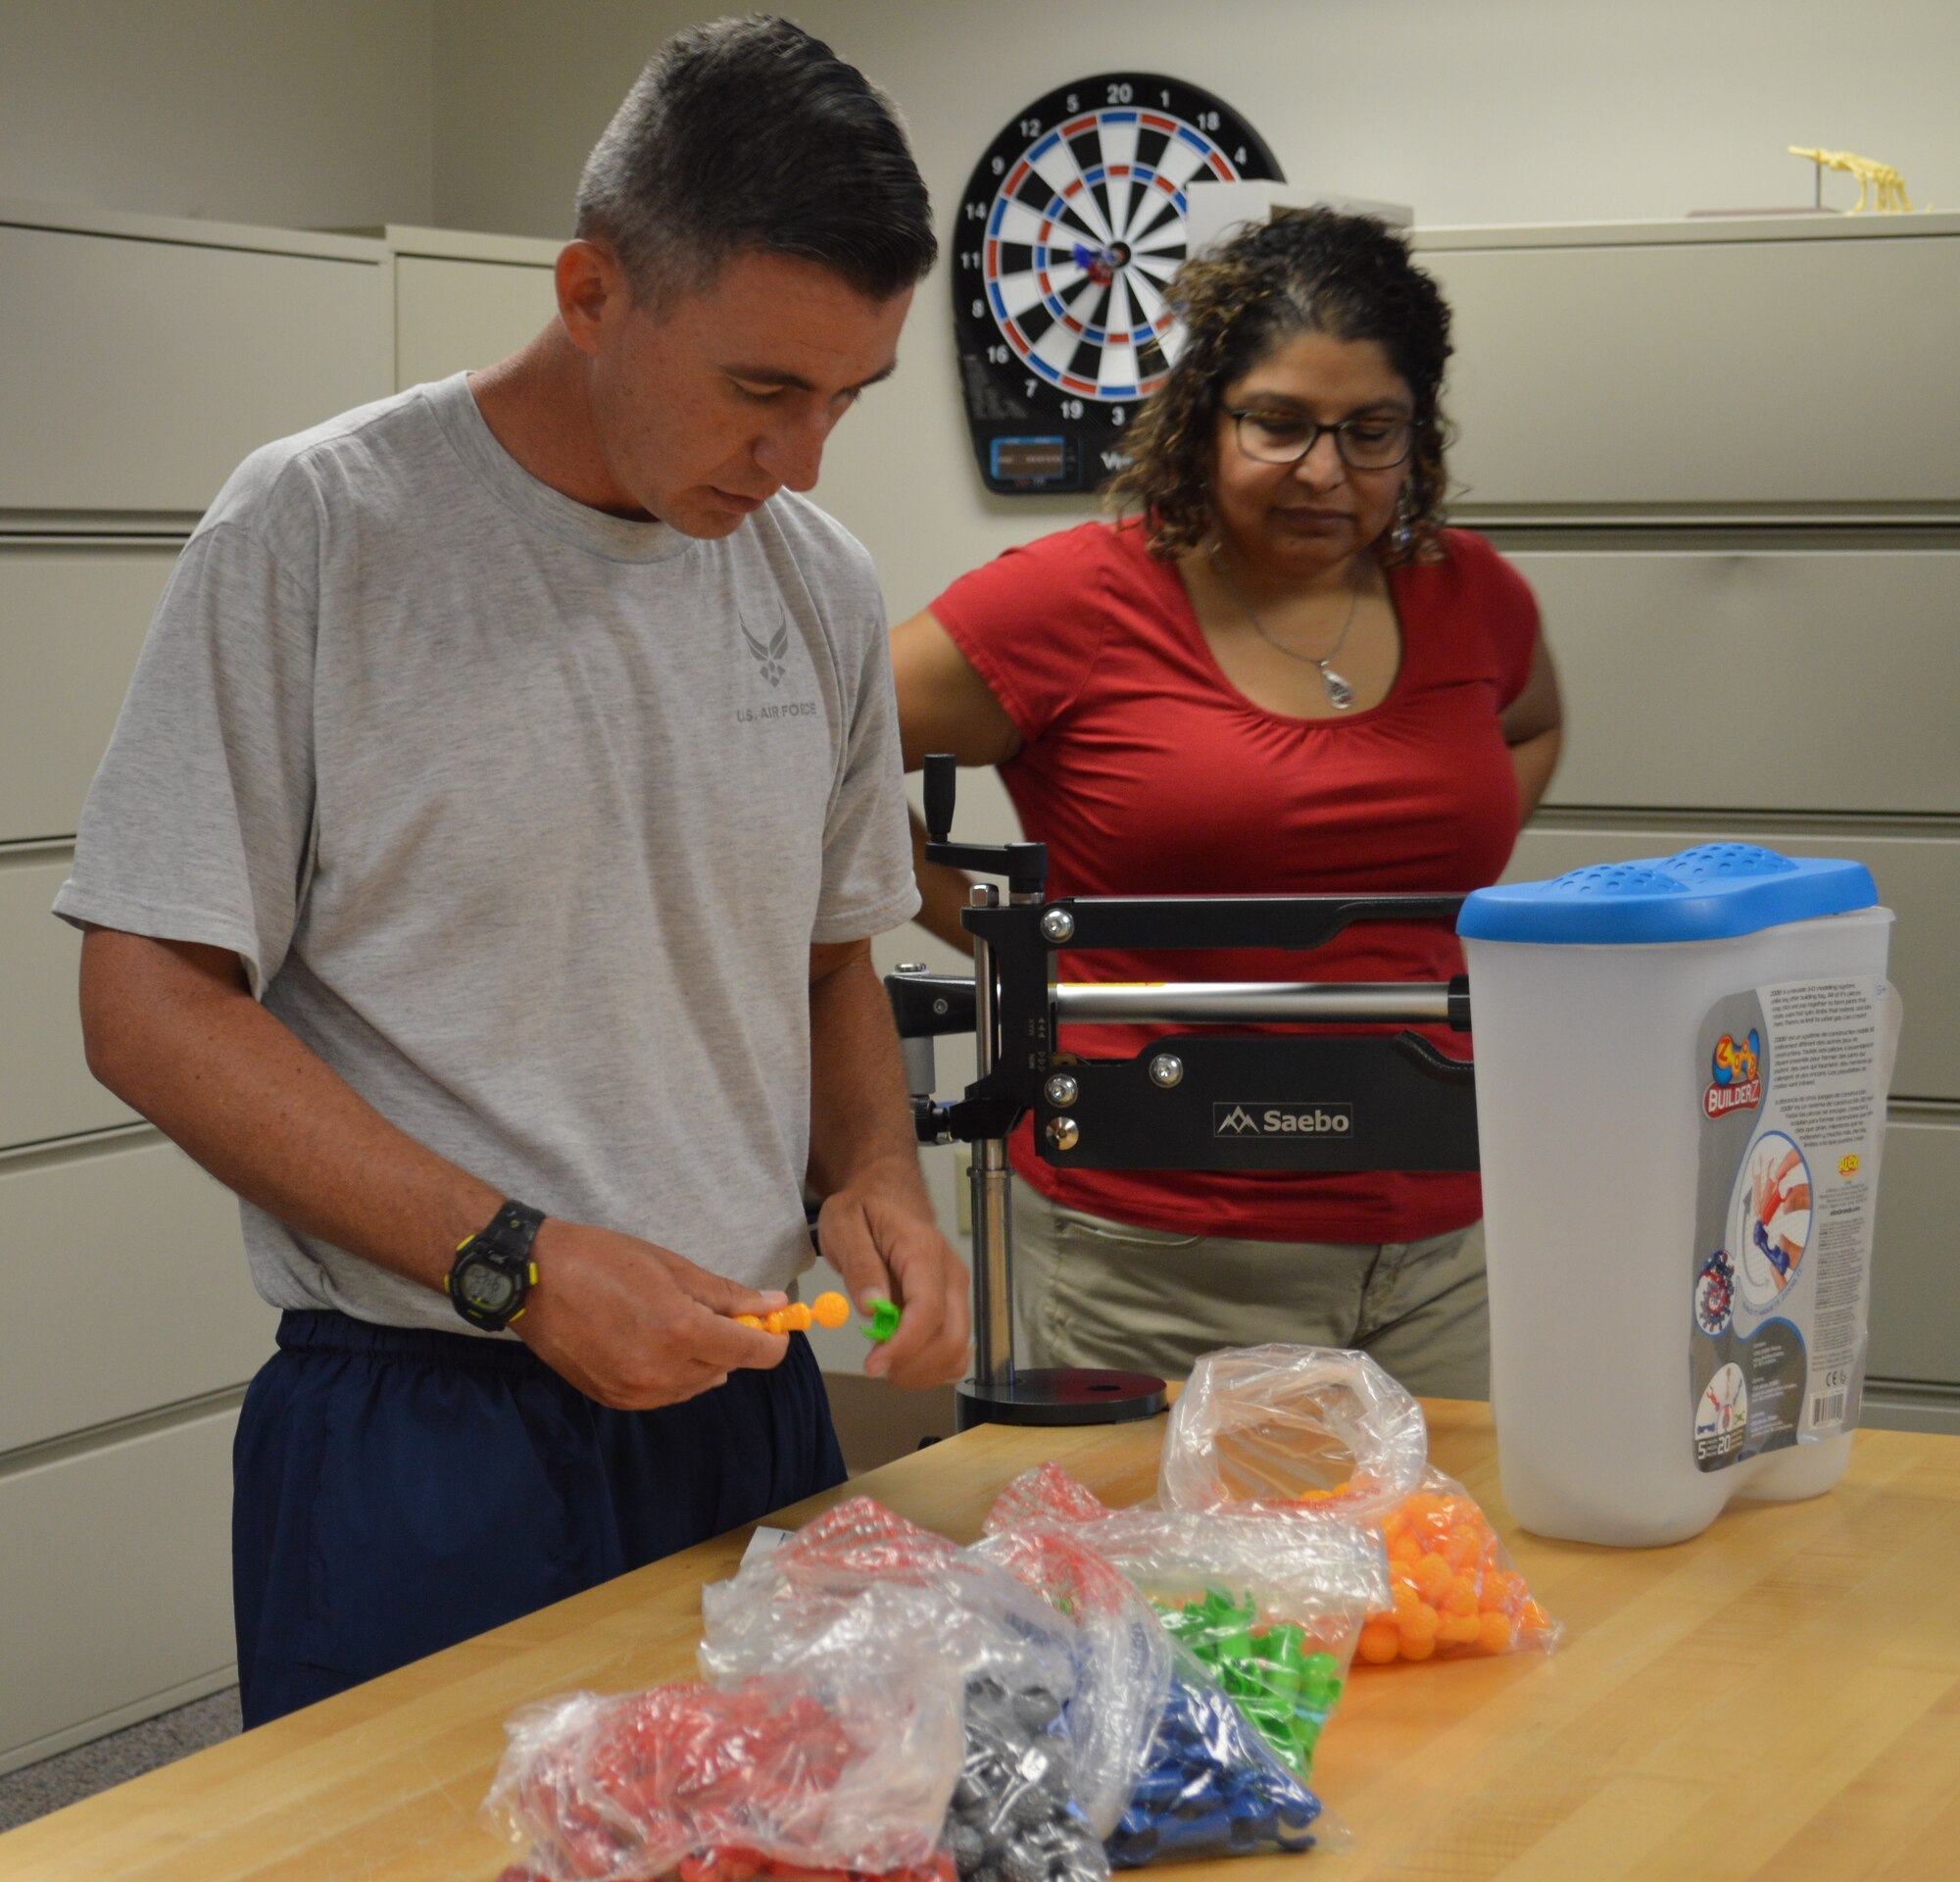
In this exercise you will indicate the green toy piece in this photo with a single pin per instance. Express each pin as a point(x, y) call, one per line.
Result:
point(1285, 1690)
point(884, 1321)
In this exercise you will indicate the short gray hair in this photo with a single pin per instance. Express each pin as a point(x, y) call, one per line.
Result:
point(751, 137)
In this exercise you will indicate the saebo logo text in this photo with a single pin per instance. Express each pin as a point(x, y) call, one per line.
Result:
point(1282, 1120)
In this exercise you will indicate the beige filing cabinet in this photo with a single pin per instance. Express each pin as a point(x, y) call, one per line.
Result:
point(1727, 455)
point(153, 355)
point(145, 356)
point(465, 300)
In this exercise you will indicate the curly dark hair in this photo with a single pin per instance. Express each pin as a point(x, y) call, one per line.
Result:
point(1349, 276)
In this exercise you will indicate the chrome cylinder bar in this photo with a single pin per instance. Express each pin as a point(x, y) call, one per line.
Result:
point(1169, 1003)
point(990, 1177)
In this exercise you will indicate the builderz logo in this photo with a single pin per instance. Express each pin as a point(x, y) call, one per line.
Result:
point(1736, 1075)
point(1263, 1120)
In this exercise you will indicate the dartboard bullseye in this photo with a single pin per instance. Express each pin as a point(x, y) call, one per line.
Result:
point(1070, 230)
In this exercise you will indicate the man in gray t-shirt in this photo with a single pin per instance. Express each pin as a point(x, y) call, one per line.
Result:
point(480, 881)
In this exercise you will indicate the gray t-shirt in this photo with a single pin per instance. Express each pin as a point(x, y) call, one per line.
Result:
point(523, 818)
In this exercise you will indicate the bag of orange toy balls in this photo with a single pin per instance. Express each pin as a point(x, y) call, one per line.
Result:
point(1457, 1594)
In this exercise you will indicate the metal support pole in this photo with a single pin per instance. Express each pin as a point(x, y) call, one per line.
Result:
point(990, 1177)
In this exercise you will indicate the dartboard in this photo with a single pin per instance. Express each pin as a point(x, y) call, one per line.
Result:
point(1070, 230)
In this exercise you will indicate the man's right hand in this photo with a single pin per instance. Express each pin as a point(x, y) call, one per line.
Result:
point(635, 1325)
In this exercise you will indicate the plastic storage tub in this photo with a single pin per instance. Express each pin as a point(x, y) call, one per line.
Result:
point(1681, 1075)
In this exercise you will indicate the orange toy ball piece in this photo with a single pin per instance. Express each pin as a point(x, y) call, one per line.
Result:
point(773, 1322)
point(1422, 1623)
point(749, 1319)
point(1466, 1547)
point(797, 1318)
point(831, 1309)
point(1433, 1578)
point(1405, 1550)
point(1496, 1633)
point(1381, 1642)
point(1461, 1597)
point(1532, 1620)
point(1407, 1599)
point(1458, 1630)
point(1418, 1645)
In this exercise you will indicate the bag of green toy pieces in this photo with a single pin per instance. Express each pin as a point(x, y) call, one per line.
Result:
point(1263, 1614)
point(862, 1581)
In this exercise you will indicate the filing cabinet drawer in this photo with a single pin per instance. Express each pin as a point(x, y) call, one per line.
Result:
point(125, 1268)
point(1688, 373)
point(47, 1089)
point(1918, 878)
point(453, 316)
point(117, 1564)
point(1915, 1278)
point(158, 365)
point(71, 622)
point(1793, 680)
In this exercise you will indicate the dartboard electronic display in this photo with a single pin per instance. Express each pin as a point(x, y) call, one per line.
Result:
point(1070, 230)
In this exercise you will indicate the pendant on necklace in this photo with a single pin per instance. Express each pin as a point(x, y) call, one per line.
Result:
point(1340, 695)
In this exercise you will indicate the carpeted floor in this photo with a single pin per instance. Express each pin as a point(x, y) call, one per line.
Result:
point(70, 1776)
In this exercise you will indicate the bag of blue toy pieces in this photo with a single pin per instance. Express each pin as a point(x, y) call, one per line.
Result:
point(1206, 1782)
point(859, 1572)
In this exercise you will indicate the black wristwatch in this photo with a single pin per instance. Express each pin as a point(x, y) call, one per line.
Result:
point(493, 1270)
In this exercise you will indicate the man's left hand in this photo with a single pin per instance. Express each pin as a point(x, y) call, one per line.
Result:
point(881, 1237)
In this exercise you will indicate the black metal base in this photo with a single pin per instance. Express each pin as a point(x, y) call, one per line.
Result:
point(1072, 1395)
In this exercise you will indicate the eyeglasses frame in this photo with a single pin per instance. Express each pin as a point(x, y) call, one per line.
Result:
point(1341, 431)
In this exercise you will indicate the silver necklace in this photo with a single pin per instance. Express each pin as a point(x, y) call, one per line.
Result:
point(1340, 695)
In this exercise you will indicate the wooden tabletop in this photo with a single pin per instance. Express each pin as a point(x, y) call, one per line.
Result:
point(1779, 1698)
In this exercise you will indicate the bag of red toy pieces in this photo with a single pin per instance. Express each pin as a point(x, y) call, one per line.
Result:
point(861, 1577)
point(1456, 1591)
point(627, 1788)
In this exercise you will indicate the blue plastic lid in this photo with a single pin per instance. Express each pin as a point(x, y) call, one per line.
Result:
point(1705, 894)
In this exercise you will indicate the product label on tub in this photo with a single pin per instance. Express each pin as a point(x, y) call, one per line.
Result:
point(1789, 1084)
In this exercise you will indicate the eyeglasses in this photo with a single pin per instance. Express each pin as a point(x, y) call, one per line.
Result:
point(1364, 444)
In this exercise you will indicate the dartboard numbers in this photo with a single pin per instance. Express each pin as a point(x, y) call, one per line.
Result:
point(1068, 233)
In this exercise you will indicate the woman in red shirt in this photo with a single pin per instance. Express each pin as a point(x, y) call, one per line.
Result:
point(1279, 674)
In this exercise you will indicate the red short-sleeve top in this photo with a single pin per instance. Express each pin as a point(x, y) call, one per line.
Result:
point(1145, 772)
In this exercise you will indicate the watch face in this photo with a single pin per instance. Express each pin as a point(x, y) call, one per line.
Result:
point(485, 1287)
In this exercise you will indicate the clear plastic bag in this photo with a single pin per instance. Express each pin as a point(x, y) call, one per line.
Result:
point(1454, 1590)
point(1270, 1602)
point(1122, 1665)
point(862, 1579)
point(800, 1606)
point(1211, 1786)
point(621, 1788)
point(1309, 1428)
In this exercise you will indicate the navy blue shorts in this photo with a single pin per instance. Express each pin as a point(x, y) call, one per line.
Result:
point(396, 1490)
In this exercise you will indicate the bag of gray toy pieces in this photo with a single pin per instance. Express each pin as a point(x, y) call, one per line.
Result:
point(861, 1579)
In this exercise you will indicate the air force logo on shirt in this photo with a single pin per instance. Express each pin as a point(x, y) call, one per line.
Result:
point(771, 653)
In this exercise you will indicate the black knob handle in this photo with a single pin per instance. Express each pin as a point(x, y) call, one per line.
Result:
point(940, 767)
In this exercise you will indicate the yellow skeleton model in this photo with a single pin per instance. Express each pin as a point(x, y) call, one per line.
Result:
point(1880, 181)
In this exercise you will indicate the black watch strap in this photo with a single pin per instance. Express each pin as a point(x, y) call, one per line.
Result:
point(493, 1270)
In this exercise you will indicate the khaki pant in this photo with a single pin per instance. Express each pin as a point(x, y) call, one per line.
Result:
point(1093, 1292)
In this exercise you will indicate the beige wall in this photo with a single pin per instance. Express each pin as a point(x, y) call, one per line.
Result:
point(1527, 110)
point(295, 113)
